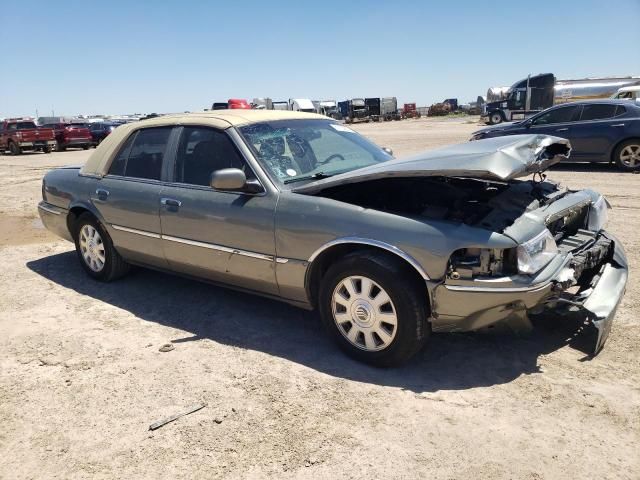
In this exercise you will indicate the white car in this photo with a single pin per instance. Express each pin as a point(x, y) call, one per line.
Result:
point(628, 93)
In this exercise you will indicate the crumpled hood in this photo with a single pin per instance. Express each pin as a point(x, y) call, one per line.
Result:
point(497, 159)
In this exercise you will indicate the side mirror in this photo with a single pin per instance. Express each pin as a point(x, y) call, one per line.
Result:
point(388, 150)
point(528, 122)
point(234, 179)
point(228, 179)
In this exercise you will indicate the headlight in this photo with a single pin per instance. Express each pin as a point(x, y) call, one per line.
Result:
point(598, 214)
point(537, 252)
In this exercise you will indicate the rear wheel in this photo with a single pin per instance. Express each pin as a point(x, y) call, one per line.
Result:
point(14, 148)
point(374, 310)
point(627, 155)
point(95, 250)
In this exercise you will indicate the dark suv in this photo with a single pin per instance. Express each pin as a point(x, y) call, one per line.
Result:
point(100, 131)
point(599, 130)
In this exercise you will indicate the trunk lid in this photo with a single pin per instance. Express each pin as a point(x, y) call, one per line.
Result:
point(494, 159)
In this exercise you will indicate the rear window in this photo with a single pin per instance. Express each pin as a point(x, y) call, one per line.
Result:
point(600, 111)
point(22, 125)
point(142, 154)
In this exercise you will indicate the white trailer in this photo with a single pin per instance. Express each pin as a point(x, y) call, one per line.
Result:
point(301, 105)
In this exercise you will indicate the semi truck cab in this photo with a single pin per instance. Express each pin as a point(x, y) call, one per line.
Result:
point(523, 99)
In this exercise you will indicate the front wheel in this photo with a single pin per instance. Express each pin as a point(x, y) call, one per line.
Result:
point(95, 250)
point(374, 310)
point(495, 118)
point(627, 155)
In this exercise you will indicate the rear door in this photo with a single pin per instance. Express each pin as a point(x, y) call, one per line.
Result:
point(128, 197)
point(601, 125)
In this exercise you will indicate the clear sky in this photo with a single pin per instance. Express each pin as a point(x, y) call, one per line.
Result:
point(89, 57)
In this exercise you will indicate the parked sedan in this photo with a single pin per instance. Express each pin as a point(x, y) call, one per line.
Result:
point(300, 208)
point(100, 130)
point(599, 130)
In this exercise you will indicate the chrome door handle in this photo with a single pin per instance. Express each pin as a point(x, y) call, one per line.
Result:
point(170, 202)
point(101, 192)
point(618, 125)
point(562, 129)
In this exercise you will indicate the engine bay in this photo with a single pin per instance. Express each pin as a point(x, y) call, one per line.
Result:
point(490, 205)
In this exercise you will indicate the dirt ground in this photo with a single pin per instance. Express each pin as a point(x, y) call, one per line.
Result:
point(82, 377)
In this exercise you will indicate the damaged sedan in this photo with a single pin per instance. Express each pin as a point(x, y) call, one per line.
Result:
point(300, 208)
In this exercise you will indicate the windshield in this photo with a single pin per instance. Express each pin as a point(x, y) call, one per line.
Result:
point(298, 150)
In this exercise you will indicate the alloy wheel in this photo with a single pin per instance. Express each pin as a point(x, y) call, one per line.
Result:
point(92, 248)
point(364, 313)
point(630, 156)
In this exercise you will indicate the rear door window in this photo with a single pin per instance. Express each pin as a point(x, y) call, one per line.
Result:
point(599, 111)
point(142, 154)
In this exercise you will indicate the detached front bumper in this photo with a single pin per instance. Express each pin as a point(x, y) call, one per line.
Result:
point(596, 294)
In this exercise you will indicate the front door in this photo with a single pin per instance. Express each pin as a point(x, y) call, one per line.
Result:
point(128, 197)
point(220, 235)
point(557, 122)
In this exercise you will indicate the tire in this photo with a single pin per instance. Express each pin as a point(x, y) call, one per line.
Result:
point(374, 341)
point(627, 155)
point(60, 147)
point(85, 147)
point(113, 265)
point(495, 118)
point(46, 149)
point(14, 148)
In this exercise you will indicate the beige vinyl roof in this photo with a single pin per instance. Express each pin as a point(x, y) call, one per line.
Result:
point(99, 162)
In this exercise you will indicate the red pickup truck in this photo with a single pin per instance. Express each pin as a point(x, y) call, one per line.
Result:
point(71, 134)
point(17, 136)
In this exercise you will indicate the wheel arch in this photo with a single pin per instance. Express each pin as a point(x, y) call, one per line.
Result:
point(332, 251)
point(77, 209)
